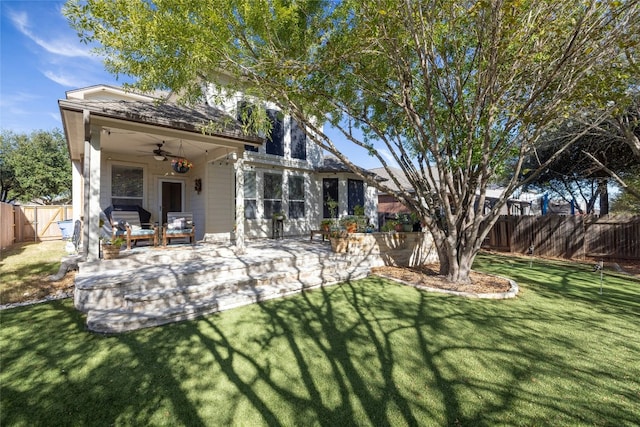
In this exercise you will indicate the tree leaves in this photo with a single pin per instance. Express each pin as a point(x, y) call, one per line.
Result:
point(35, 168)
point(467, 88)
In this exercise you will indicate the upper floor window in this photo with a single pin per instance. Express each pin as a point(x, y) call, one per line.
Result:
point(356, 194)
point(244, 111)
point(296, 197)
point(272, 194)
point(275, 139)
point(127, 185)
point(298, 141)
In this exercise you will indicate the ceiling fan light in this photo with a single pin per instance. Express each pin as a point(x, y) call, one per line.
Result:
point(158, 157)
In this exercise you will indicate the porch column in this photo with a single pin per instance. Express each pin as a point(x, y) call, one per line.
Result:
point(76, 189)
point(239, 225)
point(91, 232)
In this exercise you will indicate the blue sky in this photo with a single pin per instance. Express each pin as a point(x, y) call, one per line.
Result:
point(41, 58)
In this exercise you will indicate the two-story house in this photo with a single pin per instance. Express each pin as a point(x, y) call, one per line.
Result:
point(123, 146)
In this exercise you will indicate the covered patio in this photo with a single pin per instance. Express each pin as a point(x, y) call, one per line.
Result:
point(136, 138)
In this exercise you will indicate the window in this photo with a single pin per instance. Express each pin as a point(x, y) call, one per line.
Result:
point(127, 185)
point(275, 140)
point(272, 194)
point(250, 202)
point(329, 195)
point(298, 141)
point(296, 197)
point(356, 194)
point(244, 111)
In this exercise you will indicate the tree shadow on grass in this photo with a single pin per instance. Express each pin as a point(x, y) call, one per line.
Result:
point(68, 376)
point(364, 353)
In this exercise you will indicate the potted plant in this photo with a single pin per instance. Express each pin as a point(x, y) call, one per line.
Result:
point(349, 223)
point(325, 224)
point(280, 216)
point(111, 250)
point(181, 165)
point(339, 240)
point(389, 225)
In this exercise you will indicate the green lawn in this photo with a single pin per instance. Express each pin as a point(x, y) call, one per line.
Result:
point(364, 353)
point(24, 268)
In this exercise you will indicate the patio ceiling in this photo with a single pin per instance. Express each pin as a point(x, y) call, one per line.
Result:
point(134, 128)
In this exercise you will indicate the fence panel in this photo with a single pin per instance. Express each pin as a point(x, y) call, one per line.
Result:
point(620, 235)
point(568, 236)
point(7, 225)
point(29, 223)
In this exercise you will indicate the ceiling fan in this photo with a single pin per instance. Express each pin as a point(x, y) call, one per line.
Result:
point(160, 154)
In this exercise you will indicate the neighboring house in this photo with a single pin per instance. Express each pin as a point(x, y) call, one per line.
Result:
point(389, 206)
point(122, 145)
point(521, 203)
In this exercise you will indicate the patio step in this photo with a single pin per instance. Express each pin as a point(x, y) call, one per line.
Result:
point(289, 280)
point(147, 309)
point(148, 290)
point(103, 289)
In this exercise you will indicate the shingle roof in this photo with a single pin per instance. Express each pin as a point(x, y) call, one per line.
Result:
point(333, 164)
point(404, 182)
point(169, 115)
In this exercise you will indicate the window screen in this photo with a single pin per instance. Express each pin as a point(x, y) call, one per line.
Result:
point(127, 185)
point(275, 140)
point(329, 193)
point(272, 194)
point(356, 194)
point(250, 198)
point(296, 197)
point(298, 141)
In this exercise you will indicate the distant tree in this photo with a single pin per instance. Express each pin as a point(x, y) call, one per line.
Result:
point(627, 200)
point(8, 183)
point(35, 168)
point(583, 170)
point(452, 90)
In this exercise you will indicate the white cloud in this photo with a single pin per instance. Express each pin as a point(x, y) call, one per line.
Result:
point(67, 47)
point(16, 100)
point(55, 116)
point(387, 156)
point(65, 79)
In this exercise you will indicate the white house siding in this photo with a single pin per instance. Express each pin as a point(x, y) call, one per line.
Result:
point(262, 163)
point(198, 205)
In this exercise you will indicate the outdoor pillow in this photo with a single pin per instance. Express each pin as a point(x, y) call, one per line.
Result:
point(176, 224)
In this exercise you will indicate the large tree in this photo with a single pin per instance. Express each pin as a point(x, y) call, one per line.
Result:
point(454, 90)
point(35, 167)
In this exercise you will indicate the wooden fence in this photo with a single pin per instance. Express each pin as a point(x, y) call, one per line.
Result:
point(29, 223)
point(578, 237)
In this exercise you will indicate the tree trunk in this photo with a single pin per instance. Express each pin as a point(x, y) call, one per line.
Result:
point(604, 197)
point(455, 261)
